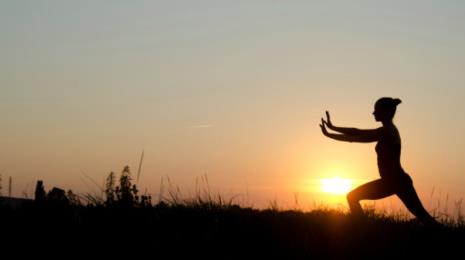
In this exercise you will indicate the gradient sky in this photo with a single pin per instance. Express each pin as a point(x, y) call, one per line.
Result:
point(230, 89)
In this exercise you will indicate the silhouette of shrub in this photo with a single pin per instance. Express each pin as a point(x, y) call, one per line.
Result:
point(125, 194)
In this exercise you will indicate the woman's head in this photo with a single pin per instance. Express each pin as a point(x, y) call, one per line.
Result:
point(385, 108)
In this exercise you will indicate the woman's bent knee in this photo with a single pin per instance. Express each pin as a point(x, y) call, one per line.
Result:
point(352, 197)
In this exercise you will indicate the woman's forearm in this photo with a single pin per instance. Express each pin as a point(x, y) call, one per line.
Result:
point(338, 137)
point(345, 130)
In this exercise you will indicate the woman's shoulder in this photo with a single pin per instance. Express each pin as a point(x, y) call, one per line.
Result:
point(389, 132)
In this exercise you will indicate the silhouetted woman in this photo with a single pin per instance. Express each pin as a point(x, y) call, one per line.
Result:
point(394, 180)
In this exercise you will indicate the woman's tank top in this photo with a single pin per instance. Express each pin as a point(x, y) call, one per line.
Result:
point(388, 151)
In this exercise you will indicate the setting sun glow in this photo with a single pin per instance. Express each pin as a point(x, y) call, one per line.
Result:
point(336, 185)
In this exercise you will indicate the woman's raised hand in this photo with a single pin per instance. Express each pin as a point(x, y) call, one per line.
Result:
point(323, 127)
point(328, 121)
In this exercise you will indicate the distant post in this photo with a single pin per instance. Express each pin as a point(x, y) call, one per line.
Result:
point(39, 192)
point(9, 187)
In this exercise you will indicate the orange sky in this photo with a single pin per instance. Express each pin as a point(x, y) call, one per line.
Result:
point(231, 90)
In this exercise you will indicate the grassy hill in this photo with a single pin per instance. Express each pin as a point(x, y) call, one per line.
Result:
point(213, 230)
point(125, 224)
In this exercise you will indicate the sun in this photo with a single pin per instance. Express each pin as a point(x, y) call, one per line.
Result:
point(336, 185)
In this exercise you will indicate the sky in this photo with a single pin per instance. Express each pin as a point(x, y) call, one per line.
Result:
point(230, 90)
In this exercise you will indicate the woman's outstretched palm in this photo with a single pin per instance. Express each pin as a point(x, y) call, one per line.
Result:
point(328, 121)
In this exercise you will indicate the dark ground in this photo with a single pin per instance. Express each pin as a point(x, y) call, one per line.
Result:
point(219, 232)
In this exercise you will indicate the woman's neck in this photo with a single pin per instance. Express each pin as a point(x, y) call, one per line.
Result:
point(387, 122)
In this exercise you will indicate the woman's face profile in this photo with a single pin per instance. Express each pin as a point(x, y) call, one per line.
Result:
point(376, 114)
point(379, 113)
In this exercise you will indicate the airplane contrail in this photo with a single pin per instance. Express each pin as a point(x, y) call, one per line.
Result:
point(200, 126)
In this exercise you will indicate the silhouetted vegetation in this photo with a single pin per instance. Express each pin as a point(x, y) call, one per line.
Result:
point(125, 194)
point(208, 226)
